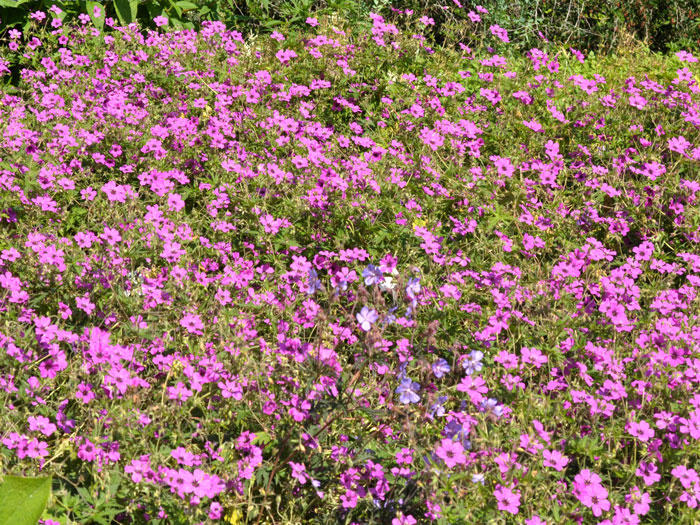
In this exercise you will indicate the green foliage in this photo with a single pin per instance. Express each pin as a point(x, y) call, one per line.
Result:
point(22, 500)
point(584, 24)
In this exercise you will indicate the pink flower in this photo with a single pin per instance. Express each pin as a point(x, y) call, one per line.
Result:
point(172, 251)
point(451, 452)
point(691, 497)
point(285, 55)
point(641, 430)
point(595, 497)
point(475, 387)
point(299, 472)
point(431, 139)
point(687, 476)
point(312, 22)
point(678, 144)
point(192, 323)
point(638, 101)
point(640, 501)
point(84, 304)
point(160, 21)
point(179, 392)
point(499, 33)
point(175, 202)
point(508, 500)
point(406, 519)
point(110, 236)
point(555, 459)
point(87, 451)
point(533, 125)
point(647, 471)
point(585, 479)
point(42, 424)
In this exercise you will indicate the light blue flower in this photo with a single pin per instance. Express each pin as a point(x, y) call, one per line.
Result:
point(314, 282)
point(367, 318)
point(473, 362)
point(441, 367)
point(372, 275)
point(413, 287)
point(408, 391)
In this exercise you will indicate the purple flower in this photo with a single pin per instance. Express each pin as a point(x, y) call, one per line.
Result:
point(299, 472)
point(314, 282)
point(366, 318)
point(491, 405)
point(440, 368)
point(408, 391)
point(372, 275)
point(413, 287)
point(473, 362)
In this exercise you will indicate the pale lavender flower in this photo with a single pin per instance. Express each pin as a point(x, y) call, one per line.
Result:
point(367, 318)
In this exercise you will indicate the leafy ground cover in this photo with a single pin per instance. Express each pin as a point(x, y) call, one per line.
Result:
point(342, 277)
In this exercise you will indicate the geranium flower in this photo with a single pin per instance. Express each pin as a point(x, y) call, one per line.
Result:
point(408, 391)
point(366, 318)
point(508, 500)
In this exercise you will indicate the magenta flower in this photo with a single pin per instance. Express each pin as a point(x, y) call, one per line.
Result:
point(555, 460)
point(285, 55)
point(299, 472)
point(499, 33)
point(451, 452)
point(404, 519)
point(641, 430)
point(508, 500)
point(41, 424)
point(639, 500)
point(192, 323)
point(431, 139)
point(595, 498)
point(687, 476)
point(638, 101)
point(647, 471)
point(87, 451)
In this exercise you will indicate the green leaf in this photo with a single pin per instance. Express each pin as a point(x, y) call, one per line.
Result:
point(98, 21)
point(186, 6)
point(261, 438)
point(126, 11)
point(22, 500)
point(13, 3)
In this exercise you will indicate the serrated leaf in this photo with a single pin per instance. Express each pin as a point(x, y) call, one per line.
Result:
point(262, 438)
point(22, 500)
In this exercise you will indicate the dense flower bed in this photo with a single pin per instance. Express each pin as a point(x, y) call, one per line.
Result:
point(344, 277)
